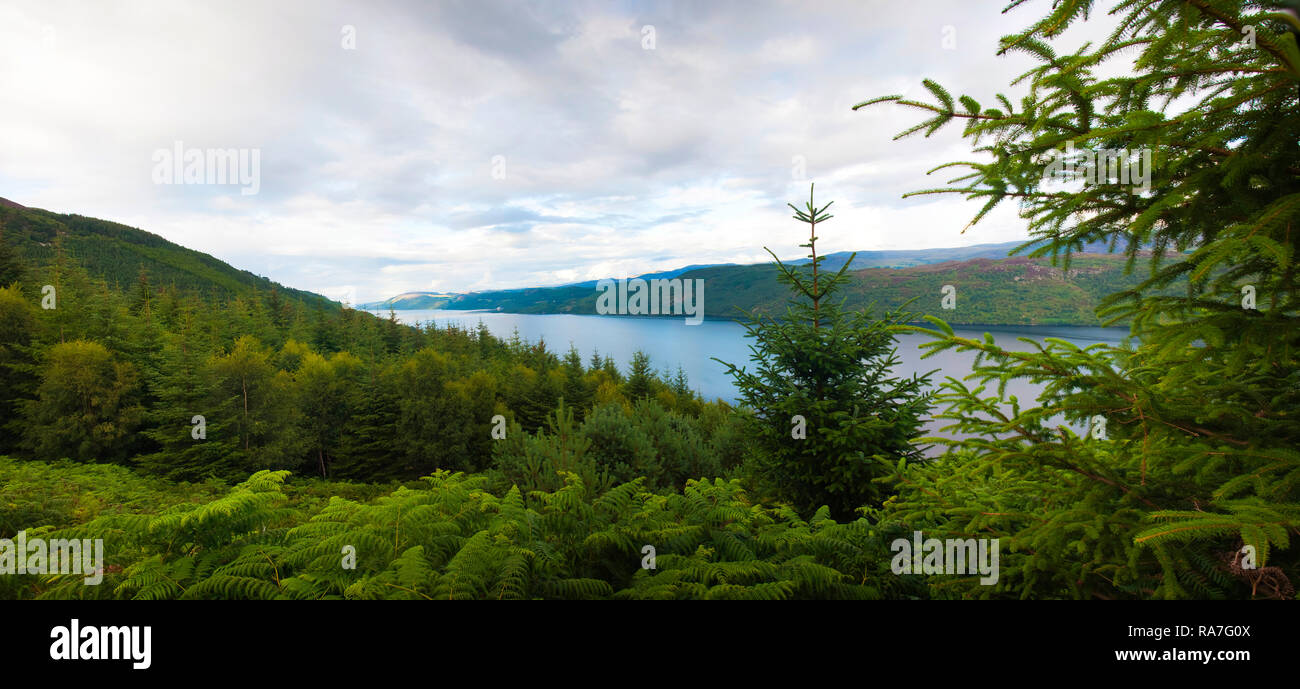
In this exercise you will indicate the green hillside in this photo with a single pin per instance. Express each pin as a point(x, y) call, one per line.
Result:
point(411, 300)
point(116, 254)
point(1008, 291)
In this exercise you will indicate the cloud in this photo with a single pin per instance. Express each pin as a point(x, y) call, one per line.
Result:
point(495, 144)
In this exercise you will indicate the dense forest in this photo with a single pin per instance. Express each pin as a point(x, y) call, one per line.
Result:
point(228, 437)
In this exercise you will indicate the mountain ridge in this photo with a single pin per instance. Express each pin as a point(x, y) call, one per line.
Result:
point(117, 253)
point(994, 287)
point(872, 258)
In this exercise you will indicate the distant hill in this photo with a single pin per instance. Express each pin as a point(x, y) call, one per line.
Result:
point(509, 299)
point(905, 258)
point(1009, 291)
point(667, 274)
point(451, 300)
point(411, 300)
point(116, 253)
point(992, 289)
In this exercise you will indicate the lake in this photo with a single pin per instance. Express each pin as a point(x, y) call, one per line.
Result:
point(671, 343)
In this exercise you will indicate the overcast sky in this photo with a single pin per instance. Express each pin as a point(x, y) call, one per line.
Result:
point(379, 127)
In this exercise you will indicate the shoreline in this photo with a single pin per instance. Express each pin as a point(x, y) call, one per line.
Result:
point(722, 319)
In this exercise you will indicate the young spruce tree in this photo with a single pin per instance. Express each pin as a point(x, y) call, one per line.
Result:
point(828, 417)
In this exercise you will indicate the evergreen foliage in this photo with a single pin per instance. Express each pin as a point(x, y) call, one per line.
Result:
point(1198, 456)
point(828, 418)
point(231, 438)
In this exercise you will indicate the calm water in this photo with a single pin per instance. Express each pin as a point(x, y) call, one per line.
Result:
point(671, 343)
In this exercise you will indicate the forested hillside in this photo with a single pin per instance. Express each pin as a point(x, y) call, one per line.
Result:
point(190, 391)
point(1007, 291)
point(117, 373)
point(119, 255)
point(228, 438)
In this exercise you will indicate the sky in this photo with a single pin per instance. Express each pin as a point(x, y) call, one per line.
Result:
point(462, 146)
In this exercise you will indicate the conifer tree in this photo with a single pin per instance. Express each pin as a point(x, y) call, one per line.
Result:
point(577, 394)
point(827, 414)
point(1178, 459)
point(18, 376)
point(639, 377)
point(366, 448)
point(142, 293)
point(178, 421)
point(325, 395)
point(12, 269)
